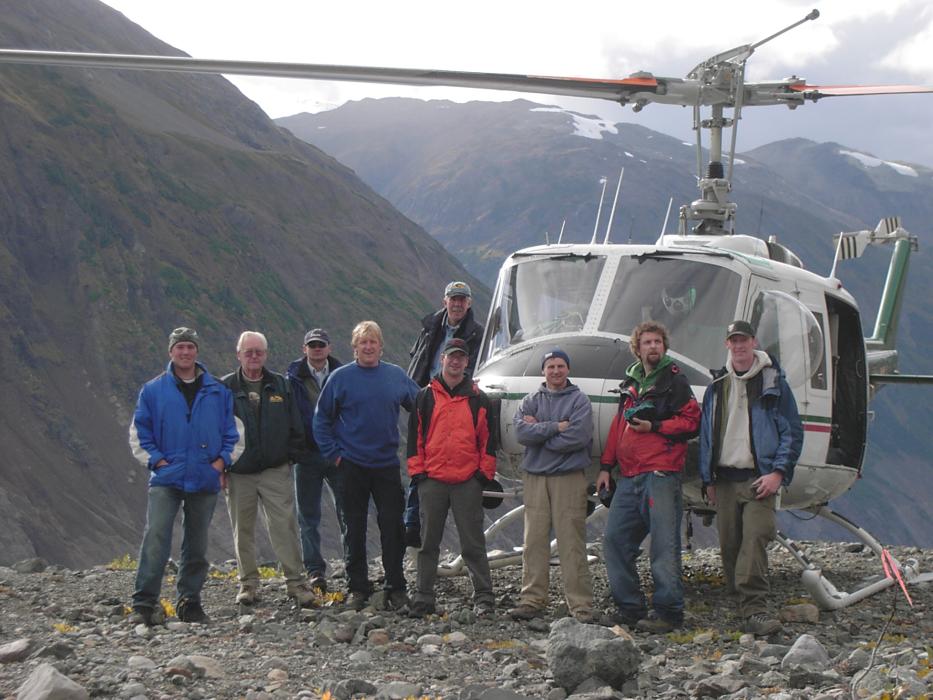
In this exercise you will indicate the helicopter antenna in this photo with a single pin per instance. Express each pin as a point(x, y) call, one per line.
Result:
point(599, 210)
point(615, 200)
point(561, 235)
point(670, 203)
point(547, 238)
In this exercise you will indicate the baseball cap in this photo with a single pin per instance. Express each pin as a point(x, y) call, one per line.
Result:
point(740, 328)
point(556, 352)
point(318, 335)
point(182, 335)
point(455, 345)
point(458, 289)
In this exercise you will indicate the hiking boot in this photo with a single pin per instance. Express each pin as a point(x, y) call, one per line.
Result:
point(413, 537)
point(625, 617)
point(586, 617)
point(525, 612)
point(761, 625)
point(318, 582)
point(655, 624)
point(357, 600)
point(421, 608)
point(248, 593)
point(484, 608)
point(143, 615)
point(396, 600)
point(190, 610)
point(302, 594)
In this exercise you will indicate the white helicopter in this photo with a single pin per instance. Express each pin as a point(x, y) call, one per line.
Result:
point(586, 298)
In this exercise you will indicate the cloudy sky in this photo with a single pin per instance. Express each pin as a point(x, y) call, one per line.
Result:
point(854, 41)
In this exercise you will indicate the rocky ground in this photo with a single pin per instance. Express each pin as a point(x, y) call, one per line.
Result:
point(74, 623)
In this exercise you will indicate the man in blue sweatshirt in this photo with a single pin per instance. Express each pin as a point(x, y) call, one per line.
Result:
point(555, 424)
point(356, 427)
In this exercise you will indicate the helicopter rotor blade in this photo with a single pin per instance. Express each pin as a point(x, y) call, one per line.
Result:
point(815, 92)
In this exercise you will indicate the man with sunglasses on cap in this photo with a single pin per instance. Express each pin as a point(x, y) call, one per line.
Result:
point(555, 424)
point(307, 376)
point(184, 430)
point(750, 439)
point(451, 458)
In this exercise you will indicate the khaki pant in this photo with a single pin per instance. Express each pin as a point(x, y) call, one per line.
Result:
point(275, 490)
point(557, 502)
point(746, 527)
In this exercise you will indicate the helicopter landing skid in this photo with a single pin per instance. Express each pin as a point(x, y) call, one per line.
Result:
point(824, 593)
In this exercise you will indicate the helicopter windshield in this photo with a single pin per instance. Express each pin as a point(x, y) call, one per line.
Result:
point(544, 296)
point(695, 300)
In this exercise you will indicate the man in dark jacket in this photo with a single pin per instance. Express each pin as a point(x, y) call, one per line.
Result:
point(648, 440)
point(185, 432)
point(274, 439)
point(750, 439)
point(307, 376)
point(454, 320)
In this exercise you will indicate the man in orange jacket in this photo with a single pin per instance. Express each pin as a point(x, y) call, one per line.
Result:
point(451, 457)
point(648, 440)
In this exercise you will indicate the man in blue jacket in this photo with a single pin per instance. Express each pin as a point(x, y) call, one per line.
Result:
point(307, 376)
point(356, 427)
point(185, 432)
point(555, 424)
point(750, 439)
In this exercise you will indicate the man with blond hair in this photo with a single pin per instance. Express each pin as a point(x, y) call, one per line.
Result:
point(263, 474)
point(356, 427)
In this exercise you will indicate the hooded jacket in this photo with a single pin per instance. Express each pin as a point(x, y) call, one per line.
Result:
point(664, 398)
point(297, 372)
point(450, 433)
point(775, 428)
point(432, 333)
point(547, 450)
point(277, 437)
point(163, 427)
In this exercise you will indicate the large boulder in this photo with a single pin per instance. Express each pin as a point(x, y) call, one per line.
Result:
point(46, 683)
point(577, 652)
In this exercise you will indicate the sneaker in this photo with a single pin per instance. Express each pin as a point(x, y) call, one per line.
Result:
point(655, 624)
point(318, 582)
point(190, 610)
point(302, 594)
point(525, 612)
point(484, 608)
point(142, 615)
point(761, 625)
point(357, 600)
point(396, 600)
point(413, 537)
point(248, 593)
point(421, 608)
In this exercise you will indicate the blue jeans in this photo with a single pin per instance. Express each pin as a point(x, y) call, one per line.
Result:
point(197, 509)
point(651, 502)
point(310, 476)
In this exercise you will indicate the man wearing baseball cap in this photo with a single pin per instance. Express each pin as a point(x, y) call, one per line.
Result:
point(451, 457)
point(555, 424)
point(307, 376)
point(750, 439)
point(185, 432)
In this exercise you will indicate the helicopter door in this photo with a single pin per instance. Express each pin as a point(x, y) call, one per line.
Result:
point(849, 385)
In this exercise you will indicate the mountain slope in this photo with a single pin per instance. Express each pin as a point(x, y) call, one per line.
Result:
point(131, 203)
point(488, 178)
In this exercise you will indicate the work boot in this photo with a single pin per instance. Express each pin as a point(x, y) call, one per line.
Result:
point(317, 581)
point(357, 600)
point(525, 612)
point(396, 600)
point(484, 608)
point(248, 593)
point(421, 609)
point(190, 610)
point(655, 624)
point(761, 625)
point(302, 594)
point(143, 615)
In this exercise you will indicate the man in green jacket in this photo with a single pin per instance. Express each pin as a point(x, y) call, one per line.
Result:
point(263, 474)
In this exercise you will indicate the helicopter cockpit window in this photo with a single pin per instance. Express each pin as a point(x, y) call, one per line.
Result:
point(543, 296)
point(695, 300)
point(789, 331)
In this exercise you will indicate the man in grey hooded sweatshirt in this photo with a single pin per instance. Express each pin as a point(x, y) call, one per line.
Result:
point(555, 424)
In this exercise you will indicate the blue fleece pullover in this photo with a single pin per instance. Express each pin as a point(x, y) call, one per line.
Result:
point(548, 451)
point(357, 413)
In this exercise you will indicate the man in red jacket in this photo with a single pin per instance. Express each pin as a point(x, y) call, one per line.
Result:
point(451, 457)
point(648, 440)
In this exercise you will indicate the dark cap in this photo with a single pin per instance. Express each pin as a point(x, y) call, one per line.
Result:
point(317, 335)
point(455, 345)
point(458, 289)
point(740, 328)
point(556, 352)
point(493, 501)
point(182, 335)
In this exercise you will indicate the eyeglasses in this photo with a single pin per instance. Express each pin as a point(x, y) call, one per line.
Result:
point(317, 345)
point(253, 352)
